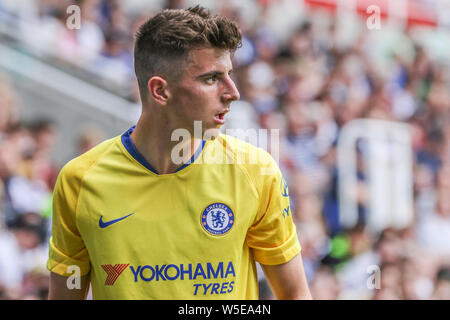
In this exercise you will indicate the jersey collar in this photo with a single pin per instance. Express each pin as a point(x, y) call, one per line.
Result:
point(129, 146)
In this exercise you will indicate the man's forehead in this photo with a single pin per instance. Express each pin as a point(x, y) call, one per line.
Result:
point(199, 60)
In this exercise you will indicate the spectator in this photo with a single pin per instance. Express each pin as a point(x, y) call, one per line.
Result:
point(433, 232)
point(442, 287)
point(21, 252)
point(325, 285)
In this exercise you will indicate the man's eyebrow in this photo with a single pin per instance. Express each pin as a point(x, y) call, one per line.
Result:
point(214, 72)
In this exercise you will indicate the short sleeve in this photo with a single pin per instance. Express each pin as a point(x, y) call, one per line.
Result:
point(273, 237)
point(66, 247)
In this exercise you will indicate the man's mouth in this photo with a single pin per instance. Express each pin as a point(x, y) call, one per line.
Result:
point(220, 117)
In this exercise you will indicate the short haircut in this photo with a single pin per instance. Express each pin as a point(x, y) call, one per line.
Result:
point(163, 42)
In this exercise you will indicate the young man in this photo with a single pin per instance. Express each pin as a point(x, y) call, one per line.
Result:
point(141, 223)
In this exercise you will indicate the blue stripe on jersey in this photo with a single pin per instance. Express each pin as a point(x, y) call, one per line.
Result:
point(128, 144)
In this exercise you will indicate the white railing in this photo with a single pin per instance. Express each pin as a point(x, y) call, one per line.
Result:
point(387, 162)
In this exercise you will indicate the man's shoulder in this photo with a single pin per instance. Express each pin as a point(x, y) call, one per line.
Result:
point(241, 147)
point(77, 167)
point(254, 159)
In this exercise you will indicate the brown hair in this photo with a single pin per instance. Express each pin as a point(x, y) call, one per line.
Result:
point(163, 42)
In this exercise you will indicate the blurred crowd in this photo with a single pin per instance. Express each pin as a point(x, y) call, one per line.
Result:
point(27, 176)
point(309, 86)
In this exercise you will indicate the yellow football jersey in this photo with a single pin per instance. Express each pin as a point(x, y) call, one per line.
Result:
point(192, 234)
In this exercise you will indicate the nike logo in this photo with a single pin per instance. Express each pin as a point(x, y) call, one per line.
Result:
point(102, 224)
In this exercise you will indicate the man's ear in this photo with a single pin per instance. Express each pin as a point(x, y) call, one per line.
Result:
point(158, 90)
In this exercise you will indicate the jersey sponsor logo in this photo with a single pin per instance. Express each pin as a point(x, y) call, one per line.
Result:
point(286, 212)
point(217, 219)
point(113, 272)
point(103, 224)
point(171, 272)
point(221, 274)
point(284, 188)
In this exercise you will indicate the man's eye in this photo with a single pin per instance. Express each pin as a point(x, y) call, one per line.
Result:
point(211, 79)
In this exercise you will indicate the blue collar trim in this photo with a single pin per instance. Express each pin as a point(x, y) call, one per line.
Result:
point(128, 144)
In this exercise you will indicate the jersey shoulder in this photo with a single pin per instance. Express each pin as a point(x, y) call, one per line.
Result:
point(79, 166)
point(251, 157)
point(257, 164)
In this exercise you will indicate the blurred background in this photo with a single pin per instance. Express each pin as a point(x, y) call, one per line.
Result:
point(359, 91)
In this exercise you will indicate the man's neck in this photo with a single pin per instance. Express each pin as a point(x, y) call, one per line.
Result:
point(152, 139)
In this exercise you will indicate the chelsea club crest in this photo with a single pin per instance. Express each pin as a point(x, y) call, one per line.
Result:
point(217, 219)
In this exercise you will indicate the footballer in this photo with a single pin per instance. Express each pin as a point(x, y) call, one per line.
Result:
point(139, 225)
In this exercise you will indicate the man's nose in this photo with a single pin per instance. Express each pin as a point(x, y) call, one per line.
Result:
point(231, 92)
